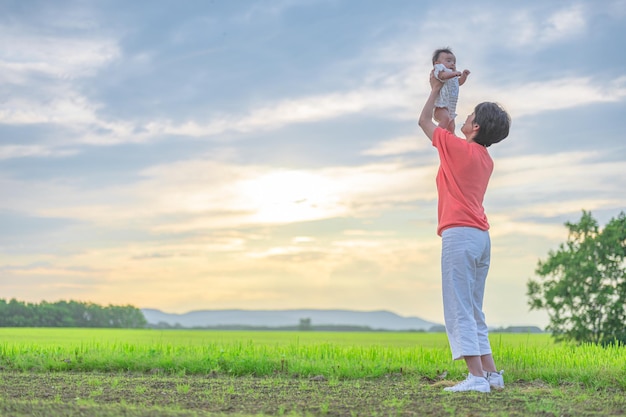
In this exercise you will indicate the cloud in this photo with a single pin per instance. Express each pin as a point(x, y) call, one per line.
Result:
point(202, 194)
point(395, 100)
point(564, 24)
point(539, 96)
point(210, 226)
point(505, 225)
point(66, 108)
point(81, 115)
point(576, 172)
point(22, 151)
point(290, 111)
point(526, 190)
point(398, 146)
point(390, 94)
point(273, 9)
point(530, 29)
point(260, 195)
point(54, 278)
point(41, 73)
point(29, 52)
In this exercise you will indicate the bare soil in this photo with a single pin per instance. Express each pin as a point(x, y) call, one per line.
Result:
point(132, 395)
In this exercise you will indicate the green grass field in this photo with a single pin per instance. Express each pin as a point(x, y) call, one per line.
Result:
point(243, 358)
point(339, 355)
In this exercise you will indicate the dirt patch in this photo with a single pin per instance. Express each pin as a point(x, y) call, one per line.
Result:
point(73, 394)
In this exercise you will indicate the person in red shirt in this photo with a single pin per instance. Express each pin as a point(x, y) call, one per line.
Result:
point(464, 172)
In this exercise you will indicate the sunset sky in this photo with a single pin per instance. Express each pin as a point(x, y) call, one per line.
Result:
point(214, 154)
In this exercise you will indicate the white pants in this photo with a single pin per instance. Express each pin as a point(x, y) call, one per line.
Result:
point(465, 258)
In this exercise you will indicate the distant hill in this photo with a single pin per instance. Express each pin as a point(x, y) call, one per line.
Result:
point(518, 329)
point(376, 320)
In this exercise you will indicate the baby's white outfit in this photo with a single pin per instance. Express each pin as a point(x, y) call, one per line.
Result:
point(449, 94)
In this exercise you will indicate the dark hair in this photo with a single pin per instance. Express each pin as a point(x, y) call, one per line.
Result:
point(437, 52)
point(493, 121)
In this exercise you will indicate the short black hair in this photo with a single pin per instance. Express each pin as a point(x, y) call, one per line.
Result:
point(493, 122)
point(440, 51)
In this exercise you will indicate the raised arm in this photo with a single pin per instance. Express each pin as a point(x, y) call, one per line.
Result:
point(426, 117)
point(446, 75)
point(463, 76)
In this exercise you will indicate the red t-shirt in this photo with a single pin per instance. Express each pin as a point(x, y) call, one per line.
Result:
point(462, 180)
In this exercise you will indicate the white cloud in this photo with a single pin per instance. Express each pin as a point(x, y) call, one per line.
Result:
point(68, 108)
point(396, 99)
point(76, 112)
point(564, 24)
point(290, 111)
point(298, 240)
point(539, 96)
point(38, 70)
point(398, 146)
point(259, 195)
point(72, 111)
point(545, 186)
point(20, 151)
point(272, 9)
point(577, 171)
point(391, 94)
point(505, 225)
point(202, 194)
point(530, 28)
point(26, 53)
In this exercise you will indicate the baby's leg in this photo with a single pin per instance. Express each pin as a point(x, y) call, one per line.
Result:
point(442, 116)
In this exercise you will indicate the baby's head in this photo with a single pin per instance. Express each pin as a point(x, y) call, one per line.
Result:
point(446, 57)
point(493, 121)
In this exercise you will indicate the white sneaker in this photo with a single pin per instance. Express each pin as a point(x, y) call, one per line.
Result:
point(496, 380)
point(471, 383)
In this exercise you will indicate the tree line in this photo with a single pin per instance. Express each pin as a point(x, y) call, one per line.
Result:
point(16, 313)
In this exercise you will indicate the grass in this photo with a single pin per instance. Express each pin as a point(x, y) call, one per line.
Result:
point(335, 355)
point(178, 372)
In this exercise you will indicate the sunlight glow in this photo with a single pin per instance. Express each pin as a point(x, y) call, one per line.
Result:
point(288, 196)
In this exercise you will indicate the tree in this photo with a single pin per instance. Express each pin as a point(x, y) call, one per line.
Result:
point(68, 314)
point(305, 324)
point(583, 284)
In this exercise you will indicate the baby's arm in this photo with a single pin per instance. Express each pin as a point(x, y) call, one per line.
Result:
point(443, 74)
point(446, 75)
point(463, 76)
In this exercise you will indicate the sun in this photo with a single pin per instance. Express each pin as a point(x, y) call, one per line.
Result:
point(289, 196)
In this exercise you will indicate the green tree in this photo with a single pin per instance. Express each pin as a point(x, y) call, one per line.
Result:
point(305, 324)
point(68, 314)
point(583, 284)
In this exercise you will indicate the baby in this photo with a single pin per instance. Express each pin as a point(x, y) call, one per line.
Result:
point(444, 63)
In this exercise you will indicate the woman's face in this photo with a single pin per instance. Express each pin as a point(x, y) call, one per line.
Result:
point(468, 126)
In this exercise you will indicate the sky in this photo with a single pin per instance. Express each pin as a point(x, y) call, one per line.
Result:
point(188, 155)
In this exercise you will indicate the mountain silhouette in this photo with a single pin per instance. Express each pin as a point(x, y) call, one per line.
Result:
point(376, 320)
